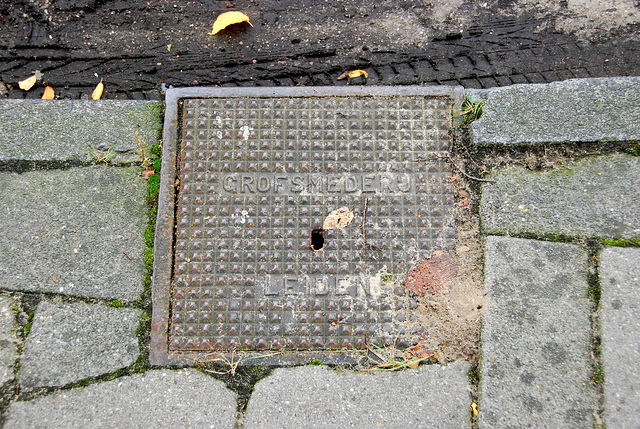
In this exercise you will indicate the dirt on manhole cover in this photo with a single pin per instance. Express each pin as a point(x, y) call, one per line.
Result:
point(296, 213)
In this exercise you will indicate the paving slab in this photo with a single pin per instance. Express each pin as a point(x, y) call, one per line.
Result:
point(76, 130)
point(594, 197)
point(75, 232)
point(620, 318)
point(8, 339)
point(317, 397)
point(70, 342)
point(575, 110)
point(536, 336)
point(155, 399)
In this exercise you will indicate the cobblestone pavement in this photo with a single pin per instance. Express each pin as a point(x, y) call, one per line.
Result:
point(560, 332)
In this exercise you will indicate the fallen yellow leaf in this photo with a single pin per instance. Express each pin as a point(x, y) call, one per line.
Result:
point(474, 408)
point(97, 93)
point(28, 83)
point(354, 73)
point(49, 94)
point(228, 18)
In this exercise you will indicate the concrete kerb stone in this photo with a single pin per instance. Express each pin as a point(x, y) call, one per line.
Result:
point(154, 400)
point(593, 197)
point(70, 342)
point(8, 339)
point(620, 319)
point(316, 397)
point(576, 110)
point(76, 130)
point(74, 232)
point(536, 366)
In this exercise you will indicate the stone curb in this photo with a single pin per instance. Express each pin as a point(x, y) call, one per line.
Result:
point(76, 130)
point(576, 110)
point(8, 340)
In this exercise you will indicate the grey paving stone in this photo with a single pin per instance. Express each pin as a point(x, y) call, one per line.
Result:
point(620, 318)
point(316, 397)
point(67, 231)
point(593, 197)
point(70, 342)
point(155, 400)
point(535, 355)
point(576, 110)
point(8, 339)
point(66, 130)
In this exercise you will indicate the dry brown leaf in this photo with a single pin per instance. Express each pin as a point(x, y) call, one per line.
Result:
point(49, 94)
point(148, 173)
point(97, 93)
point(338, 218)
point(354, 73)
point(228, 18)
point(28, 83)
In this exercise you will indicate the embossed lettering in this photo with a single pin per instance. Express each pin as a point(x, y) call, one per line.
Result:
point(368, 184)
point(315, 182)
point(297, 181)
point(321, 287)
point(270, 288)
point(229, 184)
point(332, 183)
point(264, 184)
point(289, 285)
point(246, 183)
point(277, 183)
point(341, 286)
point(350, 184)
point(404, 185)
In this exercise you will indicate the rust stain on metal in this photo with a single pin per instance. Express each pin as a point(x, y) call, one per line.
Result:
point(434, 275)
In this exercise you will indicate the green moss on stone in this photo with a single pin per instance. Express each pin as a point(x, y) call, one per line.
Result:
point(621, 242)
point(148, 258)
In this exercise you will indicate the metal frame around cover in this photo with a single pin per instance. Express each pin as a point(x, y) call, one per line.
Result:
point(159, 353)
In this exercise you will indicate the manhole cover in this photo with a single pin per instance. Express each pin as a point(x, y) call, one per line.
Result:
point(284, 212)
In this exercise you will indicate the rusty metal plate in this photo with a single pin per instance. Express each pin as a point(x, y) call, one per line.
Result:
point(258, 260)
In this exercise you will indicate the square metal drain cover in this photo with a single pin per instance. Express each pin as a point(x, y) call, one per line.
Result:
point(284, 212)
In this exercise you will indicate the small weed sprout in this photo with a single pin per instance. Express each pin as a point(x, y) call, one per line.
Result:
point(471, 110)
point(387, 278)
point(100, 157)
point(229, 365)
point(392, 359)
point(145, 159)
